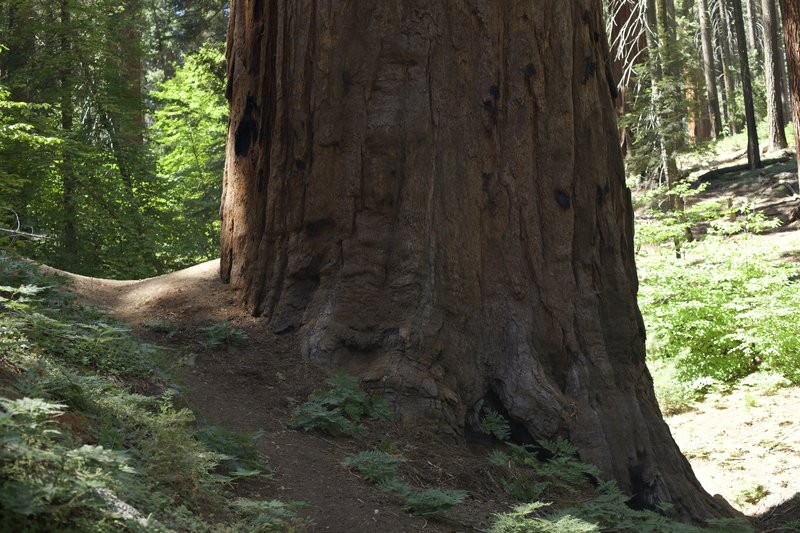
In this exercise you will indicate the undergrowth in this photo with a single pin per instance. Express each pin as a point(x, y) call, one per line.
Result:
point(562, 494)
point(716, 309)
point(720, 314)
point(223, 335)
point(340, 409)
point(381, 468)
point(82, 450)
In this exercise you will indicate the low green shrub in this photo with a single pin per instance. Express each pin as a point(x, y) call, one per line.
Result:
point(722, 316)
point(223, 335)
point(432, 502)
point(381, 468)
point(340, 409)
point(373, 465)
point(494, 424)
point(79, 451)
point(525, 477)
point(606, 511)
point(269, 516)
point(563, 478)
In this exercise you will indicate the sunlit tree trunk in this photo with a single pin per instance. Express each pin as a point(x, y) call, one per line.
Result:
point(790, 10)
point(726, 47)
point(431, 195)
point(753, 154)
point(69, 184)
point(772, 74)
point(754, 44)
point(709, 70)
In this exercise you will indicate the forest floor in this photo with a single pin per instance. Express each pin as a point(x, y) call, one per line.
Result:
point(744, 445)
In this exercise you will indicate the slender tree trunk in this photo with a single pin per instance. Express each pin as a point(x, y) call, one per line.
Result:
point(726, 46)
point(791, 34)
point(69, 252)
point(433, 197)
point(668, 97)
point(786, 96)
point(700, 122)
point(753, 41)
point(753, 153)
point(709, 70)
point(772, 74)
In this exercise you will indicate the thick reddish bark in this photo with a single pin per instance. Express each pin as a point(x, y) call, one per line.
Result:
point(790, 10)
point(432, 196)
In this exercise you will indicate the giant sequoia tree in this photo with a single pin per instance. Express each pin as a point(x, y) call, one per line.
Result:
point(791, 33)
point(431, 195)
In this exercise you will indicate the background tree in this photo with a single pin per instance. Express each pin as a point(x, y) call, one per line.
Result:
point(753, 153)
point(774, 81)
point(109, 203)
point(709, 70)
point(434, 199)
point(790, 9)
point(725, 42)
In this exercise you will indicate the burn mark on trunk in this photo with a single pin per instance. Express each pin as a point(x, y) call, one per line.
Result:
point(589, 69)
point(563, 199)
point(247, 130)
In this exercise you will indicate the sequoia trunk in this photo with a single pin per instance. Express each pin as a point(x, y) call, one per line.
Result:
point(790, 11)
point(431, 195)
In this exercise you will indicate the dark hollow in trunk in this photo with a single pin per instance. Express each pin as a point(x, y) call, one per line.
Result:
point(431, 195)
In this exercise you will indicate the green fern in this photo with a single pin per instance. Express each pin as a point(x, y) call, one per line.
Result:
point(339, 410)
point(267, 516)
point(430, 502)
point(373, 465)
point(223, 335)
point(495, 424)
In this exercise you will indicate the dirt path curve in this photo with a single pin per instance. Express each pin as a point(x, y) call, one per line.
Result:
point(253, 388)
point(735, 443)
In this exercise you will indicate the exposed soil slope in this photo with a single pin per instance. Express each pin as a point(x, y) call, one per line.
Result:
point(254, 387)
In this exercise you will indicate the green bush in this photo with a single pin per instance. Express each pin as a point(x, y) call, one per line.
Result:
point(50, 481)
point(381, 468)
point(79, 451)
point(563, 478)
point(495, 424)
point(223, 335)
point(373, 465)
point(525, 477)
point(339, 410)
point(722, 317)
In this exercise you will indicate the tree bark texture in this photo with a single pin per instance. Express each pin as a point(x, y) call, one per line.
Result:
point(709, 71)
point(790, 11)
point(726, 54)
point(753, 153)
point(431, 195)
point(772, 74)
point(753, 42)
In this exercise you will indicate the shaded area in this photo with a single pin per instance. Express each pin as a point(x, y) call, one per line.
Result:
point(783, 518)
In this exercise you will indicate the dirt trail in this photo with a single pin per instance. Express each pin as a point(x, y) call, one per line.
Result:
point(734, 444)
point(254, 387)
